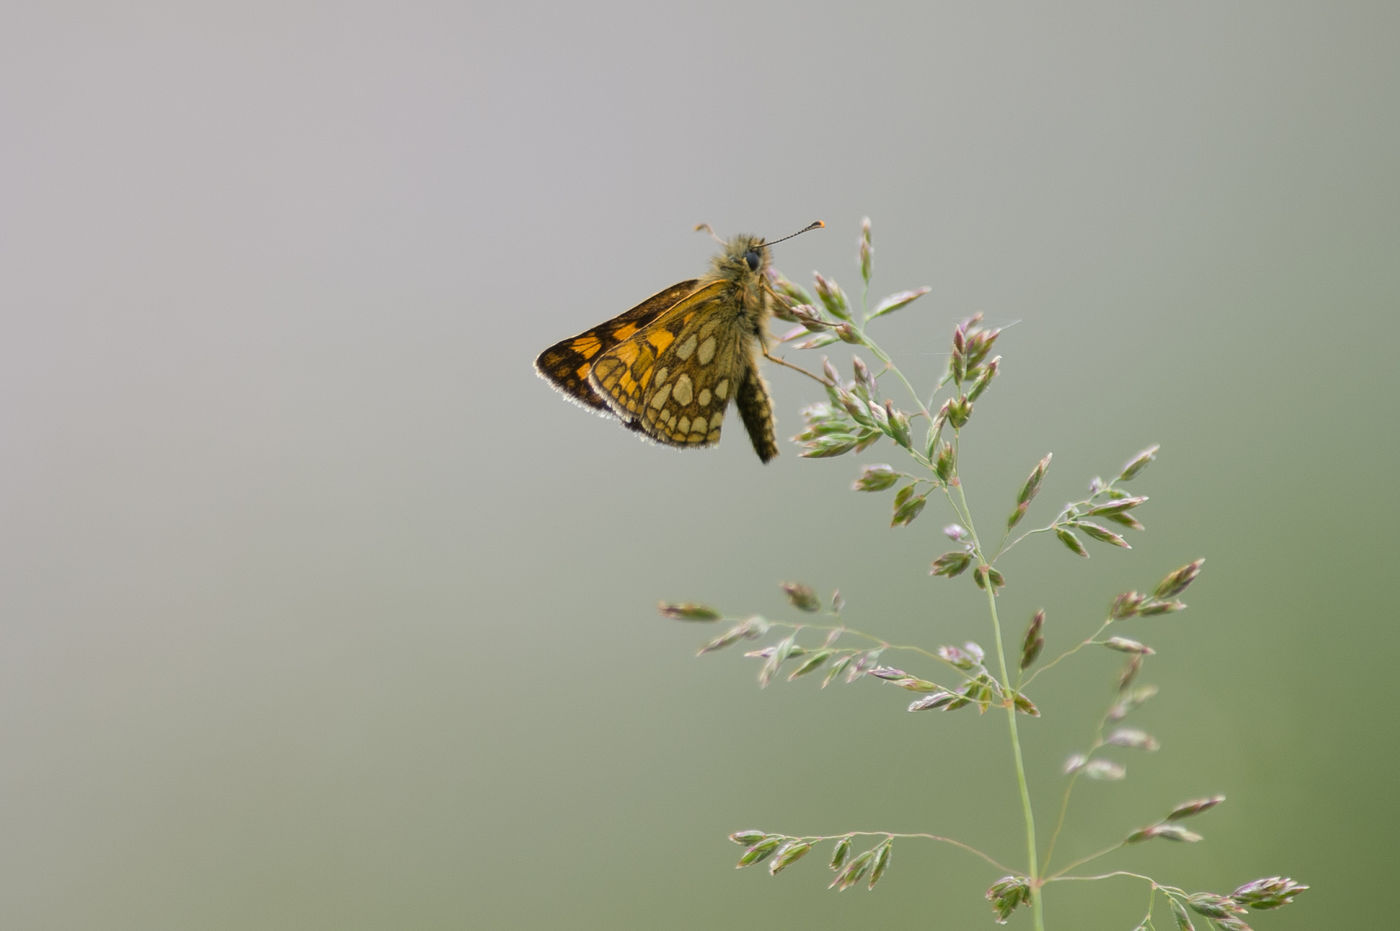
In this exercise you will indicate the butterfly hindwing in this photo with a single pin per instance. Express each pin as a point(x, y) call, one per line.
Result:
point(676, 376)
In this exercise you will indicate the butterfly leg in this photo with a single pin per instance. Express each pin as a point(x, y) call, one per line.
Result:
point(786, 364)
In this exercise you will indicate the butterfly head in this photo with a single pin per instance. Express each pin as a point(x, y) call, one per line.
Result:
point(745, 259)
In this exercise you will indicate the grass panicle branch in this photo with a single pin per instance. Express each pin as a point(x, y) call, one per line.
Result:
point(857, 413)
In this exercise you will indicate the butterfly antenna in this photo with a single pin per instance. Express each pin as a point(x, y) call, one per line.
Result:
point(814, 225)
point(711, 230)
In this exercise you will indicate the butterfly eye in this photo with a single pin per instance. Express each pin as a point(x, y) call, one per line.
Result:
point(752, 258)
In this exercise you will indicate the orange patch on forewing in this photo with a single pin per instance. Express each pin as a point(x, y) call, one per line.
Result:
point(586, 346)
point(625, 331)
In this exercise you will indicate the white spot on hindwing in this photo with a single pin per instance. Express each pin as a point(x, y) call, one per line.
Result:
point(680, 390)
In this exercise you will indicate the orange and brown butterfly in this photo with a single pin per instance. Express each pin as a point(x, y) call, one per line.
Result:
point(668, 367)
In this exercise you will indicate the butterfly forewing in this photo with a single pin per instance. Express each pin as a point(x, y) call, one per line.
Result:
point(567, 363)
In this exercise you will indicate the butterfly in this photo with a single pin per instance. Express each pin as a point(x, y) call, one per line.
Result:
point(669, 367)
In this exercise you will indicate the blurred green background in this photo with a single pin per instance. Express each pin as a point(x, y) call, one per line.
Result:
point(321, 611)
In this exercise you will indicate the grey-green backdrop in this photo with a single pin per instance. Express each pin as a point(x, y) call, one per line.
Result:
point(321, 611)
